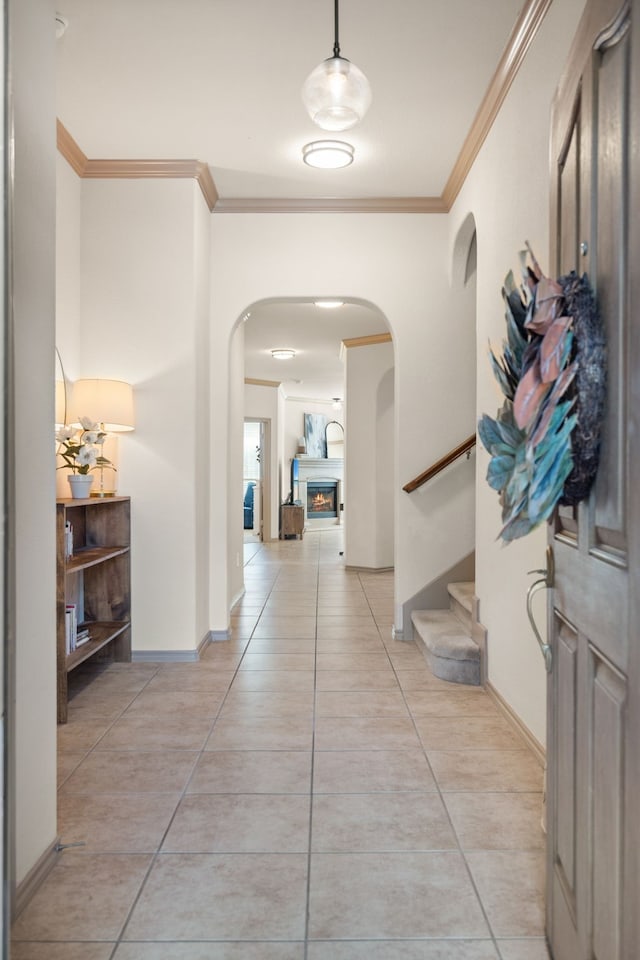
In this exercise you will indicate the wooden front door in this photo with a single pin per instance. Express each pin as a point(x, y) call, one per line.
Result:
point(593, 893)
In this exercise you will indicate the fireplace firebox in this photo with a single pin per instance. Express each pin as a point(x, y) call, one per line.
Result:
point(322, 499)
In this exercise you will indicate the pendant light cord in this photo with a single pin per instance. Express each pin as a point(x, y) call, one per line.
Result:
point(336, 45)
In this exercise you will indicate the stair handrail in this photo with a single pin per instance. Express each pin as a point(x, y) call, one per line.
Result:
point(465, 447)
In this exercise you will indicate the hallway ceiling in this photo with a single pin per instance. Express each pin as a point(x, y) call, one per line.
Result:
point(316, 334)
point(219, 81)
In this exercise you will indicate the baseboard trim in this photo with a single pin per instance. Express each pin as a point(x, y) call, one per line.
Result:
point(28, 887)
point(354, 569)
point(520, 728)
point(216, 635)
point(165, 656)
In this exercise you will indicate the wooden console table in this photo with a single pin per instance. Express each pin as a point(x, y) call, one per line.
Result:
point(291, 521)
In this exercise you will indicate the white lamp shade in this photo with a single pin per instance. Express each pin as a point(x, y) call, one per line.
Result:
point(108, 402)
point(336, 94)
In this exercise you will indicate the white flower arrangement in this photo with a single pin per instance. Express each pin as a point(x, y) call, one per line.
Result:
point(81, 447)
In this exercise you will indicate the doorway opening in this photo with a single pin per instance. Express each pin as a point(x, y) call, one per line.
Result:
point(253, 480)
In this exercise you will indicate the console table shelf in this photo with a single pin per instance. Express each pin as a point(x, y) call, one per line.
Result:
point(291, 521)
point(90, 556)
point(93, 584)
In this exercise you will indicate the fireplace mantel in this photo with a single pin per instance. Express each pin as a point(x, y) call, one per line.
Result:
point(330, 467)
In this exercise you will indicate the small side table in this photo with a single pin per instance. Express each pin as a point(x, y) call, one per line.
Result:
point(291, 521)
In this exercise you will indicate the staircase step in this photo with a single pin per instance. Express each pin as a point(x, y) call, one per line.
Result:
point(461, 601)
point(450, 652)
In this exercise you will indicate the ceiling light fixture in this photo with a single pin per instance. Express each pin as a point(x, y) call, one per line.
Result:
point(336, 94)
point(327, 154)
point(283, 353)
point(337, 403)
point(329, 304)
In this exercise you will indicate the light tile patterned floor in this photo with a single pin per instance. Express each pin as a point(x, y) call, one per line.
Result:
point(307, 791)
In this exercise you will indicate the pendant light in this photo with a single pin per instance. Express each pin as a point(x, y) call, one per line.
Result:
point(336, 94)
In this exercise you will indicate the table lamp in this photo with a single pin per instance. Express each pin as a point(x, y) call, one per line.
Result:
point(109, 403)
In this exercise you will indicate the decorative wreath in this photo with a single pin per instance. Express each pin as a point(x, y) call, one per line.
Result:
point(545, 439)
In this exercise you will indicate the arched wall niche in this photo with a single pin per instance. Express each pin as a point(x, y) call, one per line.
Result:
point(464, 255)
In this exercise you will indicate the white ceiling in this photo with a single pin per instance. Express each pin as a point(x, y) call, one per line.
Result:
point(316, 334)
point(219, 81)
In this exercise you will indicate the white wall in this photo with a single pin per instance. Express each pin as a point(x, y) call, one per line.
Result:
point(507, 192)
point(234, 468)
point(31, 474)
point(203, 454)
point(143, 279)
point(369, 501)
point(68, 305)
point(68, 247)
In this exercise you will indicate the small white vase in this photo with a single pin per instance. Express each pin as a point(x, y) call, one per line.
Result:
point(80, 484)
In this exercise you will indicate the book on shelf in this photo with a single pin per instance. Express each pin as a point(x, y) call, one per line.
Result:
point(70, 627)
point(68, 539)
point(75, 636)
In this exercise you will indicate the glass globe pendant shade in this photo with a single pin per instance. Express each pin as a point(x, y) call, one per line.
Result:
point(336, 94)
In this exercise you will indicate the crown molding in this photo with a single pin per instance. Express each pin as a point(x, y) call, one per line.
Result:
point(522, 35)
point(367, 341)
point(70, 150)
point(521, 38)
point(135, 169)
point(332, 205)
point(262, 383)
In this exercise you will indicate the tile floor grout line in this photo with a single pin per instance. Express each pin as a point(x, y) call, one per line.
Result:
point(307, 918)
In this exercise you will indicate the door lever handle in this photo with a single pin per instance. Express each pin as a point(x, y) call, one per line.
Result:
point(545, 582)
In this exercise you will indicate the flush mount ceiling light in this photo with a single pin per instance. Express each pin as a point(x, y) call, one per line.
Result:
point(327, 154)
point(336, 94)
point(329, 304)
point(283, 354)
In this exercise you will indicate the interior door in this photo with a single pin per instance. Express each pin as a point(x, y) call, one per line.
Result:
point(593, 896)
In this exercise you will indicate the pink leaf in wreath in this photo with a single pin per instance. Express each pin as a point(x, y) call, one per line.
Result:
point(549, 303)
point(529, 395)
point(552, 349)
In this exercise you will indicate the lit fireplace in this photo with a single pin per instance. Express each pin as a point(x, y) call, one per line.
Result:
point(322, 499)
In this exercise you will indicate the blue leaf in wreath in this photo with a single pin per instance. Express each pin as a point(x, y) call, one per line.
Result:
point(499, 471)
point(516, 528)
point(506, 379)
point(488, 432)
point(542, 424)
point(548, 483)
point(516, 489)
